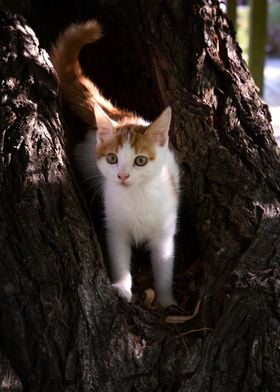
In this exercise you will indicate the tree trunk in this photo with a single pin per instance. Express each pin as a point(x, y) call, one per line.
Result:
point(61, 327)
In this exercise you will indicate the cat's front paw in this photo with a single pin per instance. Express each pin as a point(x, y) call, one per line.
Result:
point(121, 291)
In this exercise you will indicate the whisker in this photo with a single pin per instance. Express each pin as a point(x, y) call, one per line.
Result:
point(90, 176)
point(98, 190)
point(95, 186)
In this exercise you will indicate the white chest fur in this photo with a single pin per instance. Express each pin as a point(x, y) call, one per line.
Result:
point(141, 212)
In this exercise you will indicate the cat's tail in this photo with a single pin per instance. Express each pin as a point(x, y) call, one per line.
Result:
point(77, 89)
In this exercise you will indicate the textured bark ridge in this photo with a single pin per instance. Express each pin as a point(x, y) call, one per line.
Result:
point(61, 327)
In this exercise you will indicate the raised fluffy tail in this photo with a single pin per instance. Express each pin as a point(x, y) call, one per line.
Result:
point(77, 89)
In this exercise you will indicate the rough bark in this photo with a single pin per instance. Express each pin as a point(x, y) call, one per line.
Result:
point(61, 328)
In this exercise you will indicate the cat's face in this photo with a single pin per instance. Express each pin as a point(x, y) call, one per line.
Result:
point(132, 154)
point(128, 165)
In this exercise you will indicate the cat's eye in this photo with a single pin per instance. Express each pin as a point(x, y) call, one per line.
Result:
point(112, 158)
point(141, 160)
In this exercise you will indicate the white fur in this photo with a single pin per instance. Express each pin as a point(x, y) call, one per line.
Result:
point(142, 210)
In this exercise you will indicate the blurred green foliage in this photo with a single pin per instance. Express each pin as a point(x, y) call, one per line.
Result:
point(242, 29)
point(273, 29)
point(272, 46)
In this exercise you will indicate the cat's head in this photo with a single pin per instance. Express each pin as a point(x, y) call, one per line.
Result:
point(131, 153)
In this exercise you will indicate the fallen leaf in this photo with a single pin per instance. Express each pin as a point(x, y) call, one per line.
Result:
point(149, 298)
point(183, 319)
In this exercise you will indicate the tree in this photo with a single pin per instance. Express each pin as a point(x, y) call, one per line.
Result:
point(61, 327)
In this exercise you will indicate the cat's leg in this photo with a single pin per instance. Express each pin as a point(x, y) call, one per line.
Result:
point(120, 254)
point(162, 255)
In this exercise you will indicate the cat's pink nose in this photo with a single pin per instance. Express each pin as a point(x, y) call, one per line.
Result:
point(123, 176)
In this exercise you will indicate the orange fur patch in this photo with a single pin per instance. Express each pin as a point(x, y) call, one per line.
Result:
point(135, 135)
point(77, 89)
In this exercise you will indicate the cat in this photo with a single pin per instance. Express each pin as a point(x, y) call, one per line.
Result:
point(138, 171)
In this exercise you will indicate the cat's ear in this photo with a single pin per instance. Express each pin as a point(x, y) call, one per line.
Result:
point(105, 126)
point(158, 130)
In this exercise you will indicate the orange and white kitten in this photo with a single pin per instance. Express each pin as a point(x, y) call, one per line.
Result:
point(139, 174)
